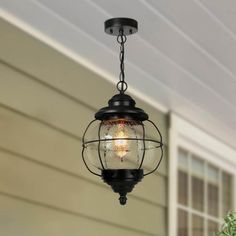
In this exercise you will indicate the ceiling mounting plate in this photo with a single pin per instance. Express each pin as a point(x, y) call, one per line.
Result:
point(115, 25)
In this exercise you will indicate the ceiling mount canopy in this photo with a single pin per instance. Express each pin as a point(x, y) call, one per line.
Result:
point(121, 145)
point(115, 26)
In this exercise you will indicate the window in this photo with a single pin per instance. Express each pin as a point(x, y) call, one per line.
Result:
point(204, 195)
point(202, 186)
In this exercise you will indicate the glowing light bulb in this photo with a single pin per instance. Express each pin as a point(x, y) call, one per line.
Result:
point(121, 145)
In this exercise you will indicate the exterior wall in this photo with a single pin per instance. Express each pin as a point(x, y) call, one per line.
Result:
point(46, 101)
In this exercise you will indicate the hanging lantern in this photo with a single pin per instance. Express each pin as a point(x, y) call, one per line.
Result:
point(116, 144)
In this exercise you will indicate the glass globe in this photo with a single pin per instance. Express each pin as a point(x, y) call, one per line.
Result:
point(120, 144)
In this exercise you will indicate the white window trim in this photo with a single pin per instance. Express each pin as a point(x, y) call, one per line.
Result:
point(185, 135)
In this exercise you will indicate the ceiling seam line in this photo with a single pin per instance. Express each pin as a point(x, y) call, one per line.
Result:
point(78, 59)
point(215, 18)
point(69, 23)
point(188, 38)
point(113, 53)
point(181, 68)
point(152, 79)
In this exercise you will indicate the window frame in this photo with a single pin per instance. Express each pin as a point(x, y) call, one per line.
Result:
point(211, 150)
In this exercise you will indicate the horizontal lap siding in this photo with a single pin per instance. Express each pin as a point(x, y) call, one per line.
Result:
point(60, 73)
point(38, 142)
point(44, 106)
point(52, 187)
point(21, 217)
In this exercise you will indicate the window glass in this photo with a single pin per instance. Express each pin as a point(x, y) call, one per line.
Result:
point(183, 159)
point(213, 199)
point(226, 193)
point(182, 223)
point(197, 193)
point(213, 174)
point(197, 166)
point(182, 187)
point(212, 228)
point(197, 226)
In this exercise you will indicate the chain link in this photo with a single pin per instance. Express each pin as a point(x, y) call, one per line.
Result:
point(122, 85)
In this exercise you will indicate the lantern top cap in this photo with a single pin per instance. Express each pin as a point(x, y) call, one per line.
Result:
point(121, 106)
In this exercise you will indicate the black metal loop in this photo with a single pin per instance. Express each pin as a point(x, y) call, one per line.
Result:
point(83, 145)
point(121, 38)
point(144, 147)
point(161, 147)
point(123, 85)
point(131, 139)
point(99, 144)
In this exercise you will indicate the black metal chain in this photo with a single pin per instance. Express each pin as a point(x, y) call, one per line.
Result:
point(122, 85)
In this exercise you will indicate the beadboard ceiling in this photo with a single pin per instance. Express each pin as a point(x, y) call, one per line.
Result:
point(183, 58)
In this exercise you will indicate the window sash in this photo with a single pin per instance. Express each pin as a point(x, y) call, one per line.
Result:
point(183, 134)
point(209, 210)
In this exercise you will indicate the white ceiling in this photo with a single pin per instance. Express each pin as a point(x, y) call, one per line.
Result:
point(183, 57)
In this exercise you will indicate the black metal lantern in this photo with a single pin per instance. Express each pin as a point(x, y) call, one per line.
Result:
point(116, 144)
